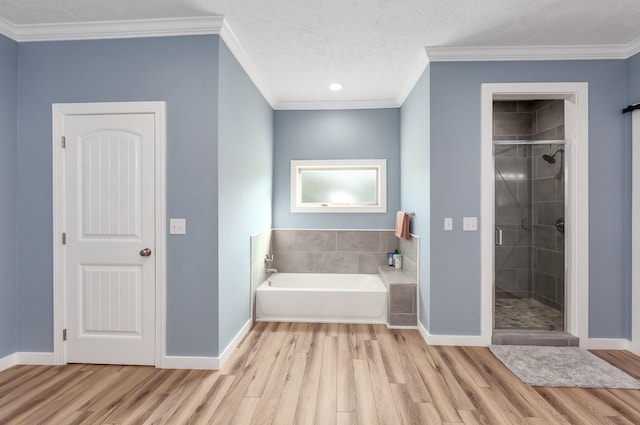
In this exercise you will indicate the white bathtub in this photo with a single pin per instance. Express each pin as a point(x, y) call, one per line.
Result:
point(322, 297)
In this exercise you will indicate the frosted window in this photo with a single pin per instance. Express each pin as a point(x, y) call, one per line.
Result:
point(338, 186)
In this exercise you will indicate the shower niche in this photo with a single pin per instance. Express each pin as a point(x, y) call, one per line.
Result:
point(530, 177)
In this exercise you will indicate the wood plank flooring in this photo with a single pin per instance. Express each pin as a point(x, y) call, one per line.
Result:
point(298, 373)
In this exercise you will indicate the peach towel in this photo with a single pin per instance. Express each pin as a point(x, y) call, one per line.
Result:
point(402, 225)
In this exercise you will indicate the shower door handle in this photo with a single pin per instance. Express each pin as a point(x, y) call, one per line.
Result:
point(498, 236)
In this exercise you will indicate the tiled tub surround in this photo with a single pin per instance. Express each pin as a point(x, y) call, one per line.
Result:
point(530, 263)
point(402, 288)
point(331, 251)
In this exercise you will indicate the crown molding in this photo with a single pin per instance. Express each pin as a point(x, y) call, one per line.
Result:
point(7, 29)
point(412, 79)
point(532, 53)
point(633, 48)
point(340, 104)
point(232, 42)
point(113, 29)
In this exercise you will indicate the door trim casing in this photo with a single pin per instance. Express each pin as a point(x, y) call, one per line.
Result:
point(576, 99)
point(59, 113)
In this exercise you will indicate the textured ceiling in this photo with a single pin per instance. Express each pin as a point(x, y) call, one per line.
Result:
point(375, 48)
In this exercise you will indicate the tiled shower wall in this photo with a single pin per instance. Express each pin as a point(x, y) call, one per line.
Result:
point(331, 251)
point(548, 205)
point(530, 263)
point(513, 121)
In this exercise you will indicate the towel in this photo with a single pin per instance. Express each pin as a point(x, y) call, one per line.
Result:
point(402, 225)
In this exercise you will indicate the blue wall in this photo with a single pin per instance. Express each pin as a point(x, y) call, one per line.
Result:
point(633, 79)
point(8, 170)
point(335, 134)
point(183, 71)
point(415, 177)
point(455, 161)
point(245, 139)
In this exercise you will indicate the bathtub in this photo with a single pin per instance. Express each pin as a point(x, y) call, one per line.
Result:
point(322, 297)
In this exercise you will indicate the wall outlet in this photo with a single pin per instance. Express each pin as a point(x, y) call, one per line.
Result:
point(448, 223)
point(469, 224)
point(177, 226)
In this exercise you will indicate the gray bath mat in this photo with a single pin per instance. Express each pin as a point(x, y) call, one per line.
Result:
point(561, 367)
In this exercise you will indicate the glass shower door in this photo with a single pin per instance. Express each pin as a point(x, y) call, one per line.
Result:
point(529, 219)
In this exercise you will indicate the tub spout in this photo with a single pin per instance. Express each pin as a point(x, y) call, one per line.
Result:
point(271, 271)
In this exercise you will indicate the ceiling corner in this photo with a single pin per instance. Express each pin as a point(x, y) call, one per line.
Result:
point(232, 42)
point(8, 29)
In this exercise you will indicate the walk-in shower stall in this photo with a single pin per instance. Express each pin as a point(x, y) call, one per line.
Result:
point(530, 177)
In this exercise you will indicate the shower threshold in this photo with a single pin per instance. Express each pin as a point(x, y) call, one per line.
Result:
point(534, 337)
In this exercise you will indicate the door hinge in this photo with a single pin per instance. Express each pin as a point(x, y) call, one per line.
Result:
point(64, 239)
point(64, 142)
point(64, 334)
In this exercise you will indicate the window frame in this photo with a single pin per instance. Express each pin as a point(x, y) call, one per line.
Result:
point(298, 166)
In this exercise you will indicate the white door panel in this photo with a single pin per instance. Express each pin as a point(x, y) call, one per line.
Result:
point(109, 214)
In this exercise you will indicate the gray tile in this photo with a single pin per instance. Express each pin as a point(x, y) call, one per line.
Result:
point(511, 124)
point(513, 258)
point(294, 261)
point(525, 106)
point(505, 106)
point(544, 285)
point(539, 104)
point(550, 116)
point(368, 262)
point(549, 134)
point(357, 241)
point(548, 212)
point(544, 189)
point(524, 151)
point(282, 240)
point(409, 248)
point(402, 299)
point(314, 240)
point(524, 281)
point(410, 268)
point(505, 151)
point(389, 242)
point(402, 319)
point(338, 262)
point(549, 262)
point(545, 237)
point(507, 280)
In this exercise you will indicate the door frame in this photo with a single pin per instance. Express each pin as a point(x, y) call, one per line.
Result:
point(59, 113)
point(634, 346)
point(576, 98)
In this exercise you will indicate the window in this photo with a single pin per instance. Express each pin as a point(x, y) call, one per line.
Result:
point(338, 186)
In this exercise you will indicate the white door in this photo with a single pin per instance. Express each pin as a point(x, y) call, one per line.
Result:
point(110, 238)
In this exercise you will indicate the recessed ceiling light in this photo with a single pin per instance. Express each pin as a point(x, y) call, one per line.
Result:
point(335, 87)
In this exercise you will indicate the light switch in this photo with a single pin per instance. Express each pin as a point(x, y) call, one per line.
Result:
point(448, 223)
point(469, 224)
point(177, 226)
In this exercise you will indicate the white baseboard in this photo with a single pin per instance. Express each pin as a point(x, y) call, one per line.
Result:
point(227, 352)
point(605, 344)
point(39, 359)
point(8, 361)
point(204, 362)
point(461, 340)
point(190, 362)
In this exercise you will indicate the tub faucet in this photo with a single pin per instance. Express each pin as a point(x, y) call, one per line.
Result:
point(271, 271)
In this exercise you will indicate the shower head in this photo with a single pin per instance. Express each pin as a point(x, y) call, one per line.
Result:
point(551, 159)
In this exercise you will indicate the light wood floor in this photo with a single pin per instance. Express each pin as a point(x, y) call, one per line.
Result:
point(314, 374)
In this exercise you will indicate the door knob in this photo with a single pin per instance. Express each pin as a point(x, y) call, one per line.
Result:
point(145, 252)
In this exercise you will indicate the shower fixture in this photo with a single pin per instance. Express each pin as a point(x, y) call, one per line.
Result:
point(551, 159)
